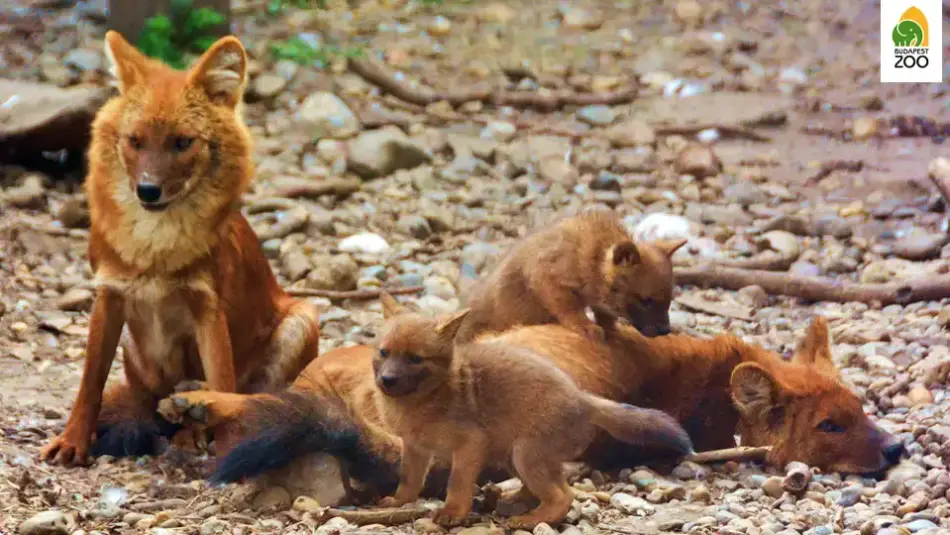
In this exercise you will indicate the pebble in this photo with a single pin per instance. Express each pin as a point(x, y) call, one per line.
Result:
point(29, 194)
point(689, 12)
point(337, 272)
point(631, 505)
point(850, 495)
point(544, 529)
point(415, 226)
point(426, 525)
point(919, 244)
point(377, 153)
point(919, 525)
point(73, 214)
point(745, 193)
point(272, 499)
point(864, 128)
point(577, 17)
point(920, 395)
point(268, 85)
point(496, 13)
point(45, 523)
point(76, 300)
point(699, 161)
point(630, 133)
point(773, 487)
point(306, 504)
point(324, 114)
point(700, 494)
point(84, 59)
point(499, 131)
point(596, 115)
point(364, 243)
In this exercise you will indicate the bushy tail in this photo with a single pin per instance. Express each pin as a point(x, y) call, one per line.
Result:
point(283, 428)
point(126, 428)
point(639, 426)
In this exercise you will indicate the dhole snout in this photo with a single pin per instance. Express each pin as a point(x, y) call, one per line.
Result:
point(161, 161)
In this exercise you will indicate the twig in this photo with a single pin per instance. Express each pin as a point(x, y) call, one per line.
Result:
point(853, 166)
point(363, 295)
point(741, 453)
point(421, 95)
point(386, 517)
point(817, 288)
point(314, 188)
point(725, 130)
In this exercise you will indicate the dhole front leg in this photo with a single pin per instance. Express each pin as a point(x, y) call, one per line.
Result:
point(568, 308)
point(467, 463)
point(105, 328)
point(214, 348)
point(413, 469)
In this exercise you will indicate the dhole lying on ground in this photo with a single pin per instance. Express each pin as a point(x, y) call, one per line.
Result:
point(489, 403)
point(174, 260)
point(554, 274)
point(715, 387)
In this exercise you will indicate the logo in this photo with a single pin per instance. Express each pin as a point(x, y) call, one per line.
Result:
point(914, 51)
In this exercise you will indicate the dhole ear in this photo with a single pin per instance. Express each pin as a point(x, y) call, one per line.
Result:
point(126, 64)
point(222, 71)
point(625, 254)
point(815, 348)
point(391, 307)
point(670, 246)
point(753, 388)
point(449, 325)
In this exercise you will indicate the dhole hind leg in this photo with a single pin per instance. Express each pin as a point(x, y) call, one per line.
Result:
point(294, 344)
point(542, 473)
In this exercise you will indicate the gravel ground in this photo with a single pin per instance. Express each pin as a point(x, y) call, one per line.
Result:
point(838, 189)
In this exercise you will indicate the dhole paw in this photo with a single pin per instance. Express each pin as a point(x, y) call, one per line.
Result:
point(191, 386)
point(67, 451)
point(527, 522)
point(176, 409)
point(191, 440)
point(450, 516)
point(392, 501)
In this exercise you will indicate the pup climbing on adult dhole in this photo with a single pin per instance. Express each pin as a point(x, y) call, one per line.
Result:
point(174, 260)
point(492, 404)
point(554, 274)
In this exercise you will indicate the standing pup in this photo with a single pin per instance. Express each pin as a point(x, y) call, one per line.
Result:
point(174, 260)
point(554, 274)
point(492, 404)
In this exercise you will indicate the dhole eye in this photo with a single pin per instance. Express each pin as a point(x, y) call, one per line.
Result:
point(415, 359)
point(183, 143)
point(383, 353)
point(828, 426)
point(135, 142)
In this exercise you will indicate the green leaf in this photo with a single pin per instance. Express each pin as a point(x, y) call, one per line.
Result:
point(203, 43)
point(159, 24)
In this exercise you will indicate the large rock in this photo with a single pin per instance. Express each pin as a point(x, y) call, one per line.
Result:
point(326, 115)
point(36, 118)
point(381, 152)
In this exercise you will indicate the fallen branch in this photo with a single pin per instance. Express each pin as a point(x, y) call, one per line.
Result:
point(363, 295)
point(386, 517)
point(739, 454)
point(421, 95)
point(852, 166)
point(817, 288)
point(725, 130)
point(317, 188)
point(766, 260)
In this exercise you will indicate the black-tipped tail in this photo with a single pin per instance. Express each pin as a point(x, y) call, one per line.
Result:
point(292, 424)
point(132, 438)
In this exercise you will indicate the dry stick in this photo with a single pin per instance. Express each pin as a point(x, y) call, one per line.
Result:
point(817, 288)
point(766, 260)
point(311, 189)
point(852, 166)
point(725, 130)
point(377, 74)
point(363, 295)
point(738, 454)
point(386, 517)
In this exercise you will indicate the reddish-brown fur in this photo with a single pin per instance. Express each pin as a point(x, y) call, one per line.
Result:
point(715, 387)
point(174, 260)
point(554, 274)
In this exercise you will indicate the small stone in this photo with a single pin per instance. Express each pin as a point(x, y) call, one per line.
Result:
point(499, 131)
point(544, 529)
point(773, 487)
point(700, 494)
point(480, 530)
point(76, 300)
point(272, 499)
point(556, 171)
point(424, 526)
point(699, 161)
point(919, 244)
point(324, 114)
point(29, 194)
point(919, 525)
point(920, 395)
point(753, 296)
point(631, 505)
point(440, 26)
point(864, 128)
point(215, 526)
point(306, 504)
point(631, 133)
point(596, 115)
point(377, 153)
point(364, 243)
point(338, 272)
point(268, 85)
point(73, 214)
point(689, 13)
point(688, 470)
point(745, 193)
point(850, 495)
point(832, 225)
point(415, 226)
point(45, 523)
point(576, 17)
point(83, 59)
point(606, 182)
point(496, 13)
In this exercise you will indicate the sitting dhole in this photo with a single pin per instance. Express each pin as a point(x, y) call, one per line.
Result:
point(490, 403)
point(556, 273)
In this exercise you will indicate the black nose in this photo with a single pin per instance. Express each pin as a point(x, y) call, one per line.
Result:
point(387, 381)
point(148, 192)
point(894, 452)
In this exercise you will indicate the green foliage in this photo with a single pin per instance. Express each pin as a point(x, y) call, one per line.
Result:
point(185, 31)
point(304, 53)
point(275, 7)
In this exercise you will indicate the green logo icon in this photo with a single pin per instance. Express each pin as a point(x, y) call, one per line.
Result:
point(911, 29)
